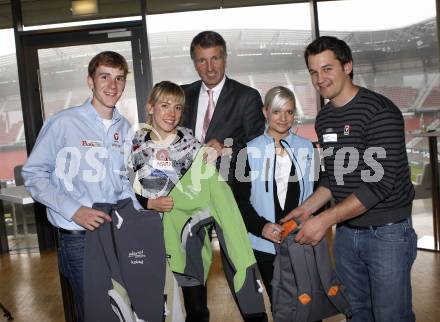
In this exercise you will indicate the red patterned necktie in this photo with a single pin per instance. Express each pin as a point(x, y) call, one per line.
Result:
point(208, 114)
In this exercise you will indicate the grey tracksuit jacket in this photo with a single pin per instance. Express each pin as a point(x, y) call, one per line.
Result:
point(124, 267)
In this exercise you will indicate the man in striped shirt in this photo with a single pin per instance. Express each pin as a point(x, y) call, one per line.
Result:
point(367, 175)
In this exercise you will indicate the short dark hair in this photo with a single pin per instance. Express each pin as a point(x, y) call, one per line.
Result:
point(339, 47)
point(207, 39)
point(110, 59)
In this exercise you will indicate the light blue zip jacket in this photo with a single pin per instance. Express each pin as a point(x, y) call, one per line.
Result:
point(261, 157)
point(77, 162)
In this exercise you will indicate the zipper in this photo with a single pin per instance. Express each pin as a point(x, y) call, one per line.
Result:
point(266, 175)
point(188, 222)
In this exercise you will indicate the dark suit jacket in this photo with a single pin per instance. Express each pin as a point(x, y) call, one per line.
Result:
point(237, 113)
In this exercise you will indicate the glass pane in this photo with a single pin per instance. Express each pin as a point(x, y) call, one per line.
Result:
point(264, 50)
point(63, 72)
point(397, 55)
point(20, 221)
point(421, 175)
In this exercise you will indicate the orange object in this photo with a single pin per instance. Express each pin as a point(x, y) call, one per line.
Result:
point(332, 291)
point(304, 298)
point(288, 227)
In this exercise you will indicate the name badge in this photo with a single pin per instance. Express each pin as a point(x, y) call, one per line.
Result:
point(91, 143)
point(162, 165)
point(330, 137)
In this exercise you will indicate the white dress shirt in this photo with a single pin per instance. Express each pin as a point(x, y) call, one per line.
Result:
point(203, 105)
point(282, 173)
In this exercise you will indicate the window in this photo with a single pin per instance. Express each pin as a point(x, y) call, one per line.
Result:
point(19, 220)
point(396, 54)
point(12, 140)
point(264, 50)
point(63, 72)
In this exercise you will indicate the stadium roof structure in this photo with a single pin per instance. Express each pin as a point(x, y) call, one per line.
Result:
point(253, 51)
point(418, 41)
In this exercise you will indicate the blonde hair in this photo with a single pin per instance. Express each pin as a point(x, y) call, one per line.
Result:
point(166, 91)
point(277, 97)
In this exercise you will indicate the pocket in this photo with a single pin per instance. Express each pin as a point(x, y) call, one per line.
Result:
point(74, 247)
point(391, 233)
point(413, 244)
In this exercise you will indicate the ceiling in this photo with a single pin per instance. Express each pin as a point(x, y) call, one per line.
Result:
point(40, 12)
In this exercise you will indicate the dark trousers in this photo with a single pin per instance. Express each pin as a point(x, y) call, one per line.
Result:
point(196, 306)
point(265, 266)
point(196, 303)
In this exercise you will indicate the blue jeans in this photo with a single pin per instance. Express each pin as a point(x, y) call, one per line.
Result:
point(375, 266)
point(71, 258)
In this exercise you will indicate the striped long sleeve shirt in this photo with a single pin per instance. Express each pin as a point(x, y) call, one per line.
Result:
point(364, 153)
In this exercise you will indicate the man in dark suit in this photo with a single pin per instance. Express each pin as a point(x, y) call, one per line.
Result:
point(237, 117)
point(223, 113)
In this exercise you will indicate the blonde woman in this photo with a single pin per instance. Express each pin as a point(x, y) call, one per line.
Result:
point(277, 178)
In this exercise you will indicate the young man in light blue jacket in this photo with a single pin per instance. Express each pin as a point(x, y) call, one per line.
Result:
point(274, 174)
point(79, 160)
